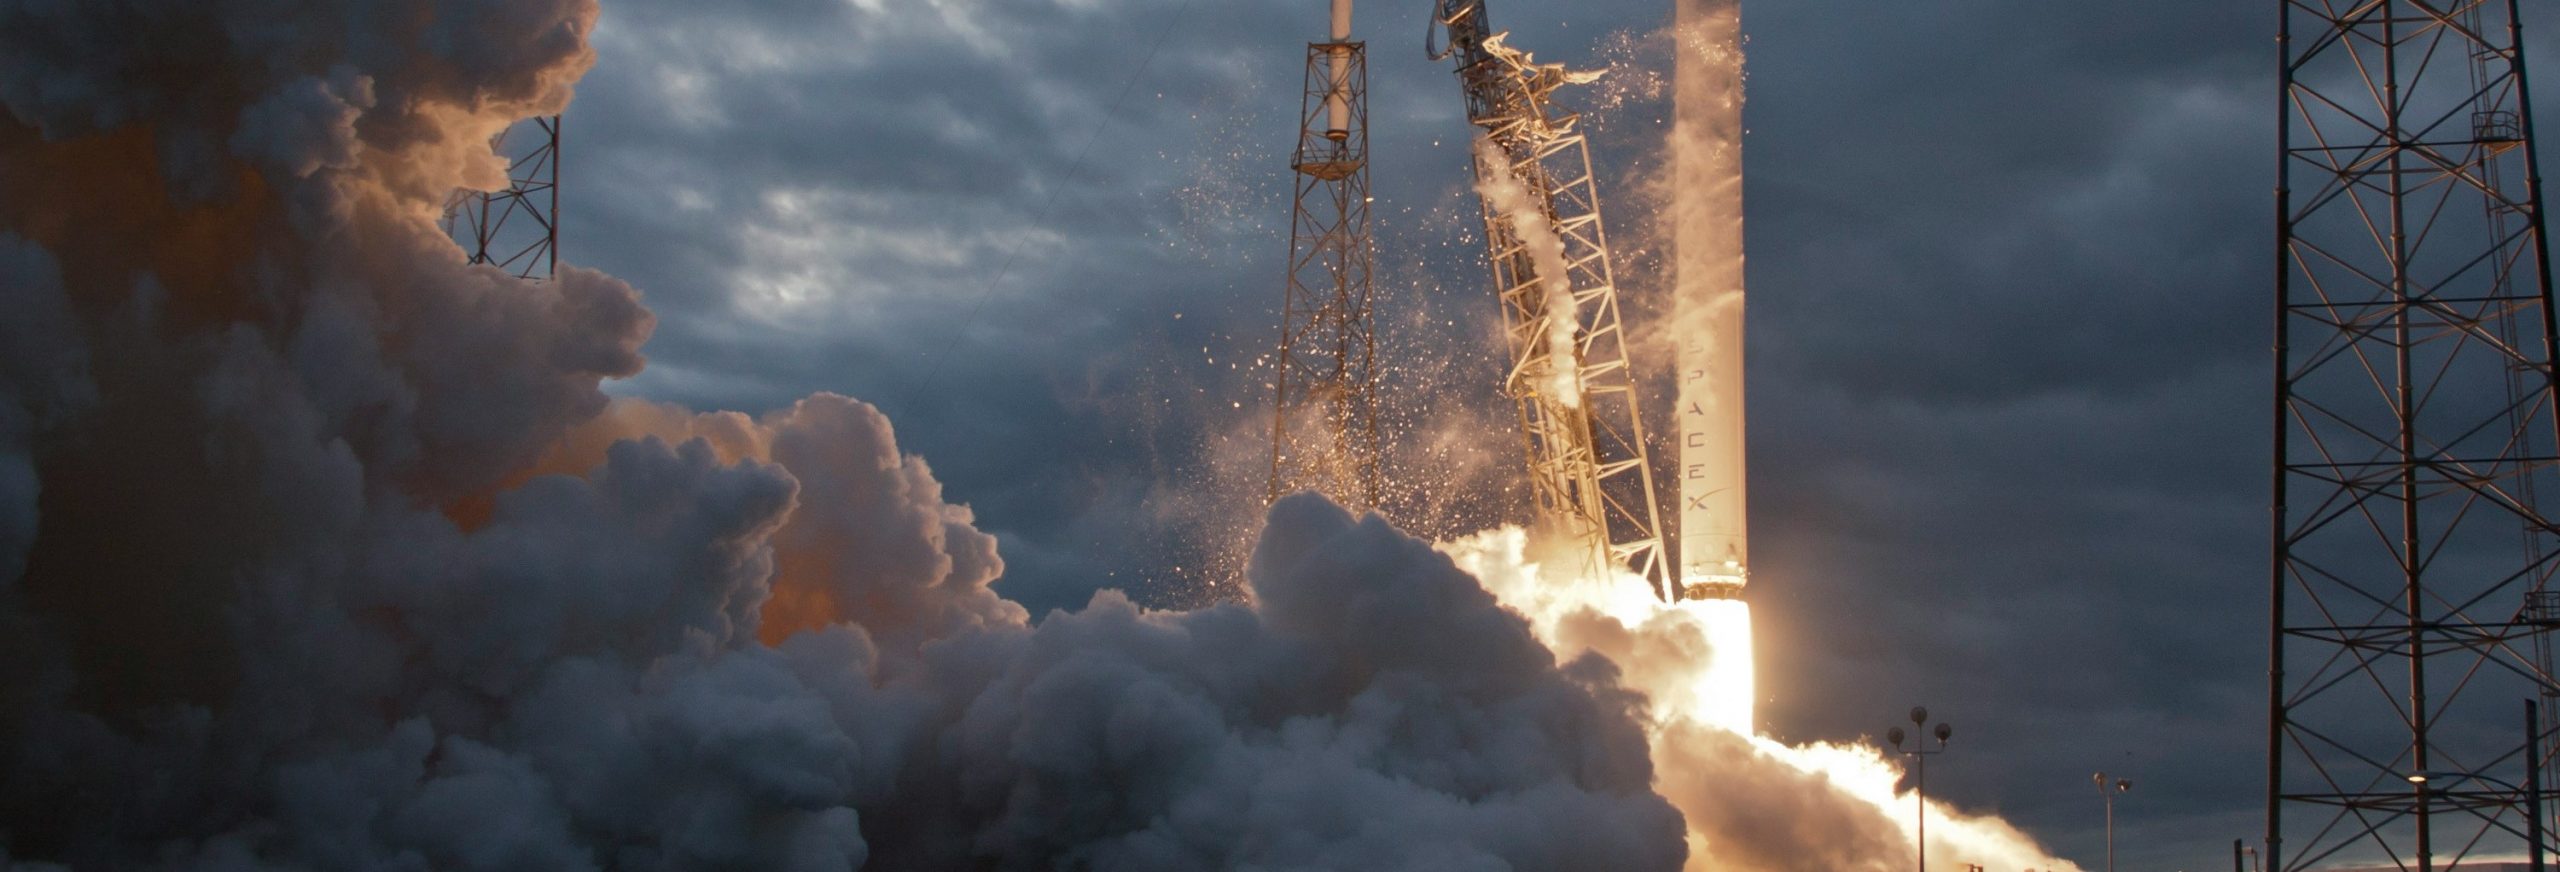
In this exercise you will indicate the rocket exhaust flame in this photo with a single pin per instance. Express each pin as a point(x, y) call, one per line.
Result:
point(1752, 804)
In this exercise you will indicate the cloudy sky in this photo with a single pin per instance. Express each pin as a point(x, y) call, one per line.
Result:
point(2008, 272)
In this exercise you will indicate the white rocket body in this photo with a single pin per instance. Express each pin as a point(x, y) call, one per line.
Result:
point(1715, 552)
point(1338, 101)
point(1706, 227)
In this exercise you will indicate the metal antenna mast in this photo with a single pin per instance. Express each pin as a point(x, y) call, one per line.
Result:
point(1588, 463)
point(2414, 424)
point(517, 229)
point(1324, 431)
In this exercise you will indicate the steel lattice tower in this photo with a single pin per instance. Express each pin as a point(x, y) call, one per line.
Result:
point(1588, 463)
point(517, 229)
point(2414, 427)
point(1324, 432)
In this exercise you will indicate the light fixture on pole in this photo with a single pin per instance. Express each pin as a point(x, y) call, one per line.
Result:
point(2108, 792)
point(2433, 784)
point(1919, 753)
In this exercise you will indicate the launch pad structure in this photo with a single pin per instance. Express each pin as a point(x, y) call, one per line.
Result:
point(2415, 430)
point(1324, 432)
point(516, 229)
point(1590, 469)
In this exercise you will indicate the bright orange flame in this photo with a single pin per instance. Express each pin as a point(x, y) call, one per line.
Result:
point(1693, 660)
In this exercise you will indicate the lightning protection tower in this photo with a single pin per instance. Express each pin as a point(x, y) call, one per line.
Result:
point(516, 229)
point(1324, 432)
point(2414, 427)
point(1589, 468)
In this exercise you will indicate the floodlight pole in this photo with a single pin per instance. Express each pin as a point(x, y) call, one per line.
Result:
point(2108, 792)
point(1919, 752)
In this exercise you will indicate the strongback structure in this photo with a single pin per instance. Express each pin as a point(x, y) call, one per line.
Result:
point(516, 229)
point(2414, 433)
point(1589, 468)
point(1324, 434)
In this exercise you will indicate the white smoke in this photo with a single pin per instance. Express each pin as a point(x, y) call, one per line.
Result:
point(321, 549)
point(1560, 317)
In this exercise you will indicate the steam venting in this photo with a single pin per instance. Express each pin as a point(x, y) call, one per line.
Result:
point(1560, 320)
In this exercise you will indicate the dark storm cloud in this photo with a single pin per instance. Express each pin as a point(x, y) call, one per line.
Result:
point(887, 163)
point(2008, 266)
point(2011, 318)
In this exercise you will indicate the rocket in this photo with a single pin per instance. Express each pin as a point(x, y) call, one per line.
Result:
point(1706, 227)
point(1715, 553)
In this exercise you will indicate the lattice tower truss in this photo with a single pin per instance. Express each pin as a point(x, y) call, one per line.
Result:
point(2414, 427)
point(516, 229)
point(1580, 418)
point(1324, 434)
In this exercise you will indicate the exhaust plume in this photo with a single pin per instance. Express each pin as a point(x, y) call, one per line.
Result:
point(1750, 803)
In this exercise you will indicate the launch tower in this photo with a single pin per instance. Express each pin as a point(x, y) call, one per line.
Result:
point(1324, 432)
point(1589, 467)
point(516, 229)
point(2414, 427)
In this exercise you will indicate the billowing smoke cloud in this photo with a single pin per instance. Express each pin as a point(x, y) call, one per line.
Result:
point(320, 549)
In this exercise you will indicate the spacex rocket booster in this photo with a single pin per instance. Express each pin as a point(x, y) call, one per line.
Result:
point(1715, 555)
point(1706, 204)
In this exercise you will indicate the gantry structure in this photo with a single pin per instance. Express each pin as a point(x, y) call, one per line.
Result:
point(1590, 470)
point(516, 229)
point(1324, 431)
point(2414, 434)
